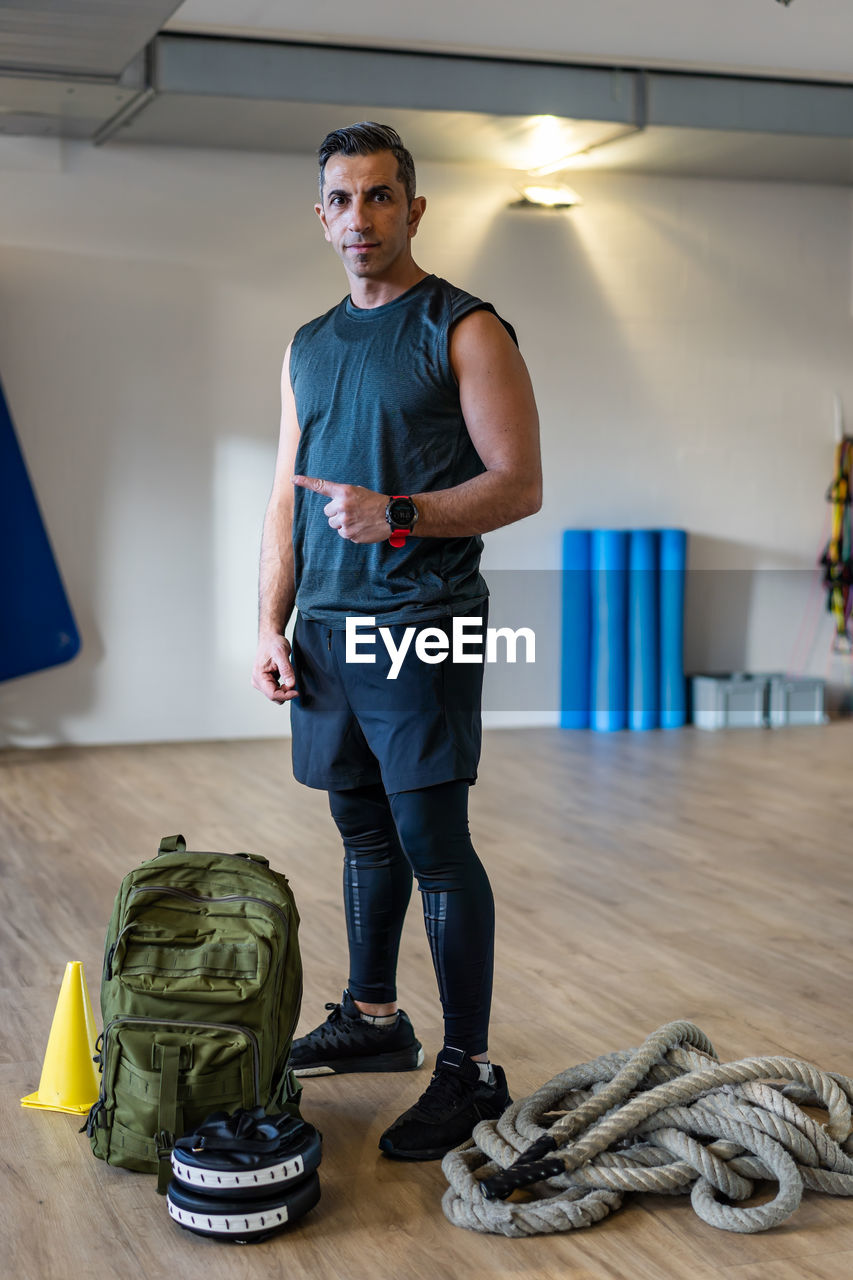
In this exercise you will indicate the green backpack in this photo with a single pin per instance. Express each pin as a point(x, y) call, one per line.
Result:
point(201, 992)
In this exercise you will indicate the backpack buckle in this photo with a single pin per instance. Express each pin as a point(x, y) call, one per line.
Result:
point(164, 1142)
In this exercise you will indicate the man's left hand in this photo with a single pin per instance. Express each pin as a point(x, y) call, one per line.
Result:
point(355, 513)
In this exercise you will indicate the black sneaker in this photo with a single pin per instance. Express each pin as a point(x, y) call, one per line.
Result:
point(345, 1042)
point(455, 1100)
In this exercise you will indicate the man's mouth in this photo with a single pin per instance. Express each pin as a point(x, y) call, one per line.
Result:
point(361, 248)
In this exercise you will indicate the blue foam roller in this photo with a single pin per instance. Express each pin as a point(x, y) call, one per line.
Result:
point(609, 641)
point(37, 628)
point(643, 683)
point(673, 689)
point(574, 683)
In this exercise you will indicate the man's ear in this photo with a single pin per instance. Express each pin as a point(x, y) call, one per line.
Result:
point(416, 212)
point(318, 209)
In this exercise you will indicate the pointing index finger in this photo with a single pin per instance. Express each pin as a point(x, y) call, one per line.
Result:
point(326, 487)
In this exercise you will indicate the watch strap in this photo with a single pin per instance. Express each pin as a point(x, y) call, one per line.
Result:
point(398, 536)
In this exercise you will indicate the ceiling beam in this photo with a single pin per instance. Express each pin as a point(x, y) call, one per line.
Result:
point(286, 72)
point(276, 71)
point(185, 69)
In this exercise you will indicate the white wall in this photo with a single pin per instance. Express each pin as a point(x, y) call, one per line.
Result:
point(685, 338)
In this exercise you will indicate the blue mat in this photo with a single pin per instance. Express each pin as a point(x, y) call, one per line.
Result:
point(575, 657)
point(608, 681)
point(643, 630)
point(622, 660)
point(37, 628)
point(673, 687)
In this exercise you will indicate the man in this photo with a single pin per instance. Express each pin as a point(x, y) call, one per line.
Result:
point(408, 429)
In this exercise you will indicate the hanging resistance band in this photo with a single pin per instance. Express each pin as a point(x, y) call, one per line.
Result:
point(837, 559)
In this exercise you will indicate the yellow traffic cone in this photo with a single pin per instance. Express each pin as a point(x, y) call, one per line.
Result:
point(69, 1081)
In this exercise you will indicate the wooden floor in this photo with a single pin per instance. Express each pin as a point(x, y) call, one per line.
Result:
point(639, 879)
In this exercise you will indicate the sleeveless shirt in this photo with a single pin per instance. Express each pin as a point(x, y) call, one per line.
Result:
point(378, 405)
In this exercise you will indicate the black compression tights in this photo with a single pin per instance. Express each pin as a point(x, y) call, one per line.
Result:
point(386, 838)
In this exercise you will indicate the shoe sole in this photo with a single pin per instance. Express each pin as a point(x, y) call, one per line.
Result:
point(401, 1061)
point(432, 1153)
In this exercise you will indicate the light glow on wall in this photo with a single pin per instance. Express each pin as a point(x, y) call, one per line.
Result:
point(547, 137)
point(551, 197)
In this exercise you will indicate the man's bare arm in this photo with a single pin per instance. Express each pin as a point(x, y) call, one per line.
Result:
point(500, 413)
point(277, 588)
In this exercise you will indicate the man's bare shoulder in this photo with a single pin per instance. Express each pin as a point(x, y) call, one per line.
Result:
point(481, 325)
point(478, 337)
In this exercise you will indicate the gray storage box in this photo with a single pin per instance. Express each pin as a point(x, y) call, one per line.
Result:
point(796, 700)
point(734, 701)
point(741, 700)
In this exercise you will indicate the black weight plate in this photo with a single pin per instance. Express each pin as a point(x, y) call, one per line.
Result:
point(233, 1174)
point(241, 1221)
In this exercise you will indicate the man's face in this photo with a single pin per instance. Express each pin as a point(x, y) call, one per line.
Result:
point(365, 214)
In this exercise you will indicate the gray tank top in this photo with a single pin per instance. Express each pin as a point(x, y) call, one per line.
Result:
point(378, 405)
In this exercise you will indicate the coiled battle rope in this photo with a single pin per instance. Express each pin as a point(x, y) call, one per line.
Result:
point(669, 1118)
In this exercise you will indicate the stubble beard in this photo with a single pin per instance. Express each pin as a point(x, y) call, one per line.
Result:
point(360, 263)
point(374, 262)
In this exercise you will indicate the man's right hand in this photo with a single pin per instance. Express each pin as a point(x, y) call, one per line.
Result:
point(272, 672)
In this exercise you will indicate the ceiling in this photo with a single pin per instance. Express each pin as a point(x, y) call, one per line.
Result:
point(806, 39)
point(83, 37)
point(120, 72)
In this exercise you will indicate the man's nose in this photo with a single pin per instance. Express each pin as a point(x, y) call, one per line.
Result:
point(359, 218)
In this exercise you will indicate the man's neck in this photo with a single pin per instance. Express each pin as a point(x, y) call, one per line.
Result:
point(368, 293)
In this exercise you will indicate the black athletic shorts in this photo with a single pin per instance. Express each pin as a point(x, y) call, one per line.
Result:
point(352, 726)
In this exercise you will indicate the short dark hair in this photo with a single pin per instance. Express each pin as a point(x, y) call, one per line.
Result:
point(365, 139)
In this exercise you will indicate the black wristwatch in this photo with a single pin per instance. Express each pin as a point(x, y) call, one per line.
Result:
point(402, 515)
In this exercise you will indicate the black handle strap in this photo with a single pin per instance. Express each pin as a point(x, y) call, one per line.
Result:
point(249, 1130)
point(500, 1185)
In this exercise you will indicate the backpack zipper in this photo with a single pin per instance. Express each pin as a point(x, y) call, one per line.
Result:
point(176, 1022)
point(200, 897)
point(193, 897)
point(108, 967)
point(203, 897)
